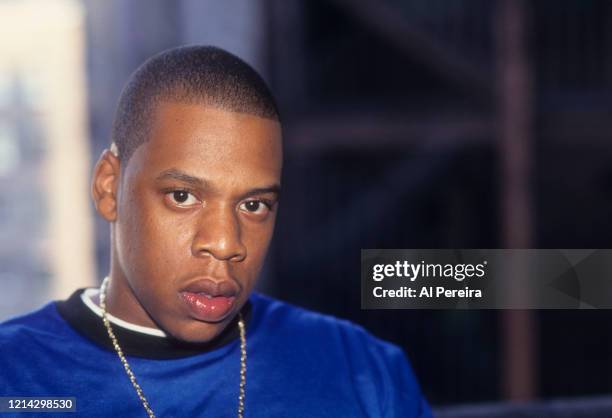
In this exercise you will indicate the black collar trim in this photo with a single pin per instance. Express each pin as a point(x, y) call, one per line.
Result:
point(137, 344)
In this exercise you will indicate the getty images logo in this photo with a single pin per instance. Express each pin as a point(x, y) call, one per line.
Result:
point(413, 271)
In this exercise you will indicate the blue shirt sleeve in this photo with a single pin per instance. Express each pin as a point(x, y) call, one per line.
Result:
point(382, 377)
point(403, 395)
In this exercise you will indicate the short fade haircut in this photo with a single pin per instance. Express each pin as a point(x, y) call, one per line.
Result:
point(199, 74)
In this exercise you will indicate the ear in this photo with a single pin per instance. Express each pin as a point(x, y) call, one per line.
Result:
point(104, 185)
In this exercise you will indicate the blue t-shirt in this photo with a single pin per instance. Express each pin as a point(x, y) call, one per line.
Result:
point(299, 364)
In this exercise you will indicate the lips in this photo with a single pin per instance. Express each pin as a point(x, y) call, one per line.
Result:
point(208, 299)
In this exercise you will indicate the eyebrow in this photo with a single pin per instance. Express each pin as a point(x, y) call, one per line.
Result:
point(174, 174)
point(274, 189)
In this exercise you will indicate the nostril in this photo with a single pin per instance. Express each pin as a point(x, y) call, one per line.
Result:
point(218, 234)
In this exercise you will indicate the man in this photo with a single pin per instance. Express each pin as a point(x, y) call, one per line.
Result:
point(190, 188)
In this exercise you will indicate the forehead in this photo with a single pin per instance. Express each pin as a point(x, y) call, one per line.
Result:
point(210, 142)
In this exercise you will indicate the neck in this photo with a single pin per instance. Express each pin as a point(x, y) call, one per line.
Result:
point(91, 299)
point(138, 344)
point(121, 302)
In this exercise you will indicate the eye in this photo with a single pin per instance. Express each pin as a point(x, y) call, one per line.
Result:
point(256, 207)
point(182, 198)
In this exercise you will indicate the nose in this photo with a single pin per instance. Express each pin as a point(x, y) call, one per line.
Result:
point(218, 235)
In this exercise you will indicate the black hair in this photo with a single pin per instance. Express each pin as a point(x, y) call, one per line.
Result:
point(188, 74)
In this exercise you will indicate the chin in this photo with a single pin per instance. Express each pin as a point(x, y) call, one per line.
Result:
point(198, 331)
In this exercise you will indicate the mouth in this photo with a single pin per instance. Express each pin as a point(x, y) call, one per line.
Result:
point(210, 300)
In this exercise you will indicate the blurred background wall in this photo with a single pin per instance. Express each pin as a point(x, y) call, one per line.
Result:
point(408, 124)
point(46, 224)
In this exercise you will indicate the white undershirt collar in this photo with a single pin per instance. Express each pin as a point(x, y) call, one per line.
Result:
point(87, 296)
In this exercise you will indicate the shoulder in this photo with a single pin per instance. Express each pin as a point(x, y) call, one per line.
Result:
point(33, 321)
point(285, 316)
point(322, 333)
point(342, 352)
point(41, 325)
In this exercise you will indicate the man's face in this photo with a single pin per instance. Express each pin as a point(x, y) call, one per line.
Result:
point(195, 214)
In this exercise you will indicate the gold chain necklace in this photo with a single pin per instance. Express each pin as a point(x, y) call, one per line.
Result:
point(128, 370)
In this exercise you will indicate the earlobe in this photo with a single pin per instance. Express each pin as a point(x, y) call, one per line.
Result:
point(105, 185)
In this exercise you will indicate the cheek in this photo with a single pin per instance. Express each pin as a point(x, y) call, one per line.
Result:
point(154, 242)
point(257, 239)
